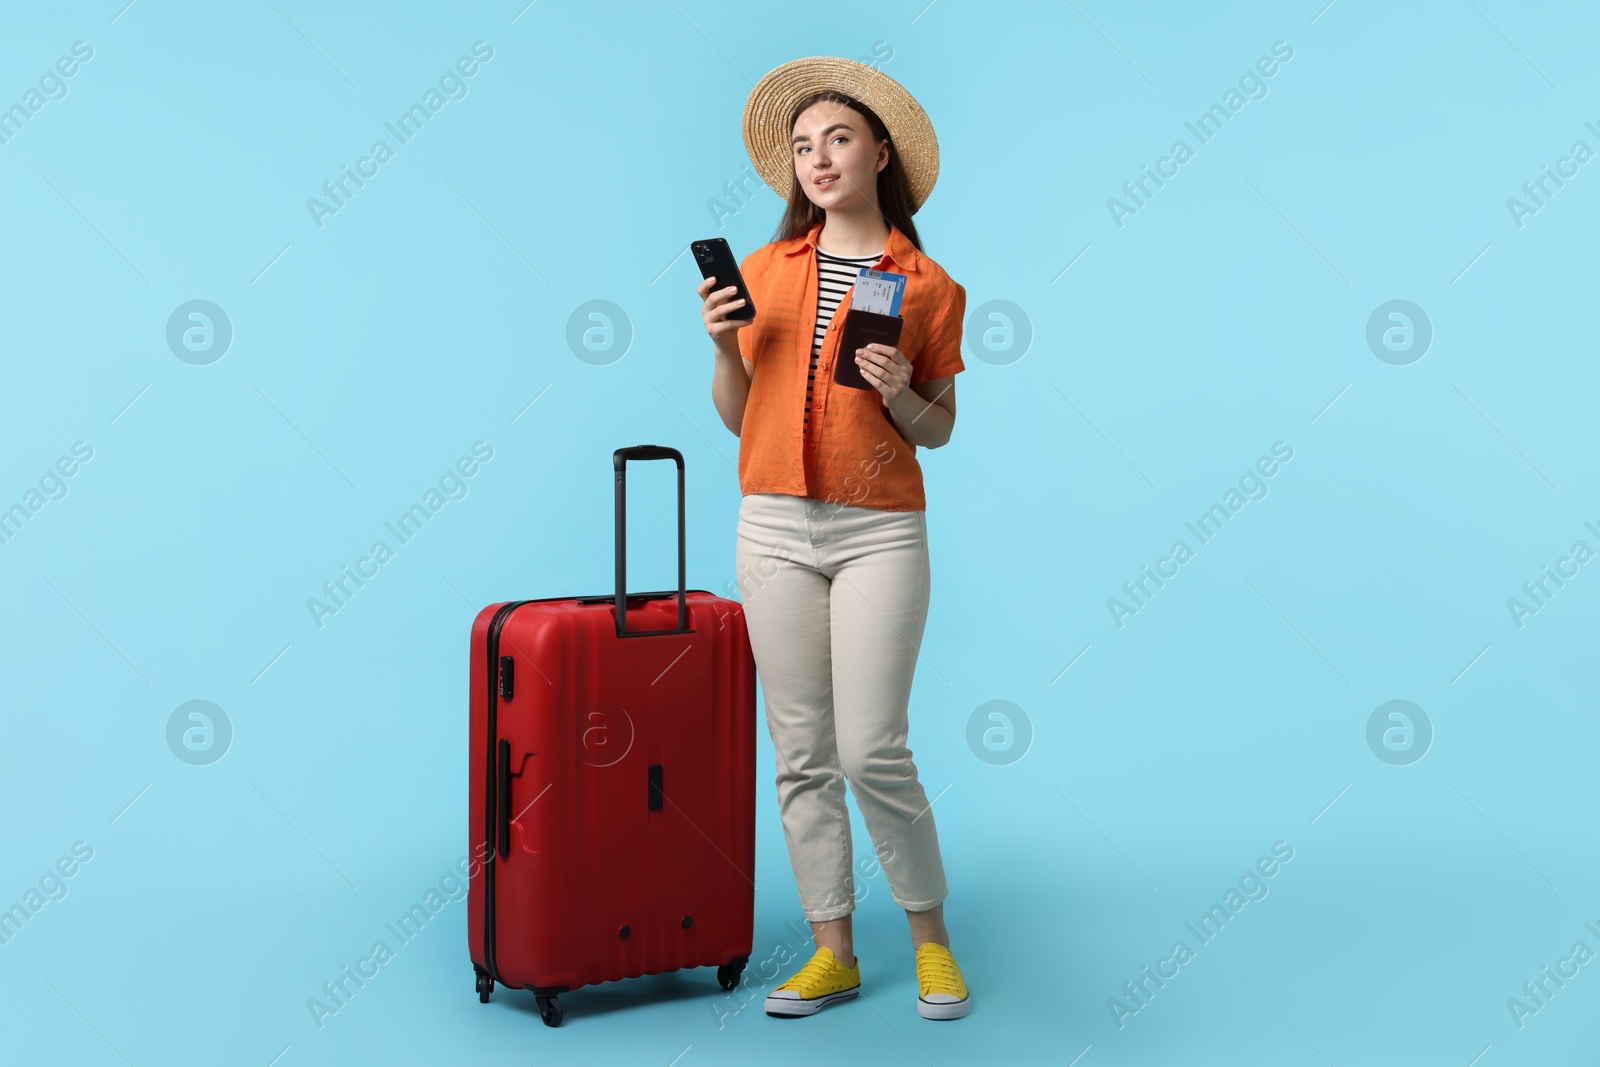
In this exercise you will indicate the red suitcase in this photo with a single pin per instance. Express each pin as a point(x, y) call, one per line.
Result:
point(612, 785)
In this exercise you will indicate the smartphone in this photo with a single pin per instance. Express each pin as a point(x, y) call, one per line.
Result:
point(716, 261)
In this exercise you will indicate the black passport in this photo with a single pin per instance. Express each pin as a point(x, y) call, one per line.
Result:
point(860, 329)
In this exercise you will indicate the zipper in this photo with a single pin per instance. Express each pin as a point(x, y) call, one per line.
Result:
point(490, 780)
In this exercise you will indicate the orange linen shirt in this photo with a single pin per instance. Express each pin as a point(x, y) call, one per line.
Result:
point(851, 453)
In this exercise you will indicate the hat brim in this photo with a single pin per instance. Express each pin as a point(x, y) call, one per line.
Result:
point(771, 104)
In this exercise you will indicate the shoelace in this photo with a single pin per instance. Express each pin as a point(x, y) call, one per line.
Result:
point(937, 972)
point(815, 970)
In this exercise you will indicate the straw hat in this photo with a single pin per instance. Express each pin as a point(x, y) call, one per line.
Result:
point(771, 103)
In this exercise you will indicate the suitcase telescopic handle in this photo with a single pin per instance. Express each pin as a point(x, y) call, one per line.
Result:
point(619, 460)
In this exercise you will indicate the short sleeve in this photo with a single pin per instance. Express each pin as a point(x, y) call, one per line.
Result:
point(941, 351)
point(747, 335)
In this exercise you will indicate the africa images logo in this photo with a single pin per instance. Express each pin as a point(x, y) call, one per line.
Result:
point(452, 485)
point(451, 86)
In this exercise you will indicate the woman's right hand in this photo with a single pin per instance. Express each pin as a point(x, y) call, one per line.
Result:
point(715, 311)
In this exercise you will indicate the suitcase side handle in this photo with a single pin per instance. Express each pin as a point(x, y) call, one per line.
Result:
point(503, 842)
point(619, 462)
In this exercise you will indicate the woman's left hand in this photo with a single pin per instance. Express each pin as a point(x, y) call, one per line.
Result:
point(887, 369)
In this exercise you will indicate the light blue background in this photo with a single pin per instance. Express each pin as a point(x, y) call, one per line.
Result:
point(1228, 314)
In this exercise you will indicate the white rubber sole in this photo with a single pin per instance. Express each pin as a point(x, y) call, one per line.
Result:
point(946, 1010)
point(790, 1006)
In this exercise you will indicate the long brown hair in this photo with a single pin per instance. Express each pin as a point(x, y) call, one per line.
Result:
point(894, 190)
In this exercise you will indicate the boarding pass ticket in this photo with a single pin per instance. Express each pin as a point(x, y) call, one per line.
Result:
point(879, 291)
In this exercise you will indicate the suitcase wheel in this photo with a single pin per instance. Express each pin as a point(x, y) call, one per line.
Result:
point(485, 987)
point(549, 1010)
point(728, 974)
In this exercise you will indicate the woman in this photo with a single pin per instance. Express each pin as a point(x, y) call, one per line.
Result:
point(832, 549)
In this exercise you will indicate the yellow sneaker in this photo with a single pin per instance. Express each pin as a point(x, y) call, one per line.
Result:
point(941, 992)
point(822, 981)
